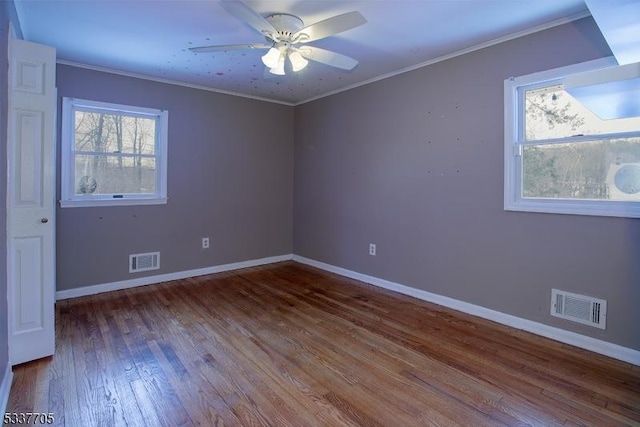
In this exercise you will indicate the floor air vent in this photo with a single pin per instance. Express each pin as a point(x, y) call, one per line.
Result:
point(144, 262)
point(579, 308)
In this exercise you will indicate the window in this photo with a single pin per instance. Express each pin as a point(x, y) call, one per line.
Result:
point(112, 154)
point(562, 158)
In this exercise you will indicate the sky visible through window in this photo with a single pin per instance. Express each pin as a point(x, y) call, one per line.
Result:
point(553, 113)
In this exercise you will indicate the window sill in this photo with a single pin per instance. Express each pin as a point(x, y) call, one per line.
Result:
point(111, 202)
point(576, 207)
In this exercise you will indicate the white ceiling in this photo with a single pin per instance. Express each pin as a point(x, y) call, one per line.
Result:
point(152, 37)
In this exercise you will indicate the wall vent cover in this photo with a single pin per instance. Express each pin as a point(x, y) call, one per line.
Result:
point(144, 262)
point(579, 308)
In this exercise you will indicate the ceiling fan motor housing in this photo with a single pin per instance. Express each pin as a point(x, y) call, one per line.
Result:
point(285, 24)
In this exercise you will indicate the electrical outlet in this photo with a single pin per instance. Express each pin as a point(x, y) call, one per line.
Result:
point(372, 249)
point(205, 243)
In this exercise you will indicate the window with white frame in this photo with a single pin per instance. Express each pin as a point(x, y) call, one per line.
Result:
point(562, 158)
point(112, 154)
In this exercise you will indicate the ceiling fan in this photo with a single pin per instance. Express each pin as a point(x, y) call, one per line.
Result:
point(287, 38)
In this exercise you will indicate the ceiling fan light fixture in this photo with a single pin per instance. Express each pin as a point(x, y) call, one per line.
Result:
point(279, 68)
point(272, 58)
point(297, 61)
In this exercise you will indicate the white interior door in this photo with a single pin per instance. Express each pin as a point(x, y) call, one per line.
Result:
point(31, 201)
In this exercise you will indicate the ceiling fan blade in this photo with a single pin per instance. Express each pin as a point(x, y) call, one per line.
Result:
point(328, 57)
point(243, 12)
point(223, 47)
point(330, 26)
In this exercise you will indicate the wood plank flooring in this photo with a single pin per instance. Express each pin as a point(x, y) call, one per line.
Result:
point(289, 345)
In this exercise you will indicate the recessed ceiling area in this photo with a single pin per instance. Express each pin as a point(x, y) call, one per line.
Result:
point(152, 38)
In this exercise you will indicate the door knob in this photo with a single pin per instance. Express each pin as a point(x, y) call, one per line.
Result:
point(44, 220)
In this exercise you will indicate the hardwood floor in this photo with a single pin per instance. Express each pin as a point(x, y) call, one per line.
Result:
point(289, 345)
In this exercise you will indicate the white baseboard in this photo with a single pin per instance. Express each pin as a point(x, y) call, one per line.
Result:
point(150, 280)
point(592, 344)
point(5, 388)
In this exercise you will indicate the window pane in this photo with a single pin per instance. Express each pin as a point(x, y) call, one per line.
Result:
point(112, 174)
point(603, 170)
point(114, 133)
point(550, 112)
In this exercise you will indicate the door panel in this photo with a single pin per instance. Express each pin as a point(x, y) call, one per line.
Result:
point(30, 313)
point(28, 158)
point(31, 201)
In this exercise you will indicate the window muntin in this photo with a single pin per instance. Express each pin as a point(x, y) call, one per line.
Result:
point(562, 158)
point(112, 154)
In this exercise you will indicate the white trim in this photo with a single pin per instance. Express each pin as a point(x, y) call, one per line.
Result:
point(592, 344)
point(171, 82)
point(94, 203)
point(151, 280)
point(559, 72)
point(5, 388)
point(489, 43)
point(16, 19)
point(5, 385)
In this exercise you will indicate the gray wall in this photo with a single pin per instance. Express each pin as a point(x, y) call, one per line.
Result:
point(230, 171)
point(414, 163)
point(4, 28)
